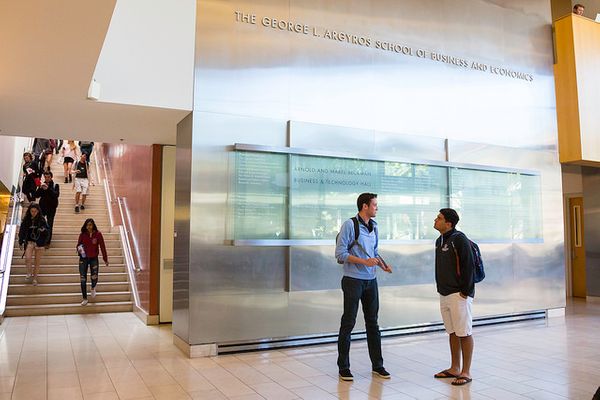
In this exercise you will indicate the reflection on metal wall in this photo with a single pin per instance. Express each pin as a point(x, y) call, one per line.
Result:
point(252, 78)
point(591, 211)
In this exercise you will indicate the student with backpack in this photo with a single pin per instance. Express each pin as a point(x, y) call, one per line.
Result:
point(357, 250)
point(455, 277)
point(33, 235)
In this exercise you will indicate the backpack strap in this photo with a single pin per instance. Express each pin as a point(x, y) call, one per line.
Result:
point(456, 254)
point(356, 228)
point(356, 233)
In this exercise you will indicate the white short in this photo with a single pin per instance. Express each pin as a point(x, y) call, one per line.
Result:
point(456, 314)
point(81, 185)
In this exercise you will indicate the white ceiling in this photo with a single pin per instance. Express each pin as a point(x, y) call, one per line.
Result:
point(48, 53)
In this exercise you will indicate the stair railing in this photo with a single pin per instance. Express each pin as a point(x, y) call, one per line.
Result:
point(132, 268)
point(8, 240)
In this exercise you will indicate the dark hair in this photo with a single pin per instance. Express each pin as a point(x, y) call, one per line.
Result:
point(576, 6)
point(28, 154)
point(49, 173)
point(87, 221)
point(450, 215)
point(365, 198)
point(28, 219)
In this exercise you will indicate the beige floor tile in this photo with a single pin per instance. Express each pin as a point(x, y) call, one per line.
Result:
point(273, 391)
point(6, 384)
point(101, 396)
point(169, 392)
point(59, 380)
point(208, 395)
point(72, 393)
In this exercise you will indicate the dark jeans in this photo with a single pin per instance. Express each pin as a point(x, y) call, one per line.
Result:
point(49, 213)
point(367, 293)
point(83, 267)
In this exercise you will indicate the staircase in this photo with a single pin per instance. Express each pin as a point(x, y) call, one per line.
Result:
point(58, 290)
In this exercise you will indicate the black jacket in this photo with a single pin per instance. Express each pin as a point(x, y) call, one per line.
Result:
point(34, 231)
point(454, 246)
point(48, 197)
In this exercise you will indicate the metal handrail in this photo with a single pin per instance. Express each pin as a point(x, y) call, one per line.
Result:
point(8, 240)
point(132, 268)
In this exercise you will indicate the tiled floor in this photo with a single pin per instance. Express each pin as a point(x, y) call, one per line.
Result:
point(114, 356)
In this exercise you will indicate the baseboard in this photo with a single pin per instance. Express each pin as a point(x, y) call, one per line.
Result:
point(555, 312)
point(195, 350)
point(145, 317)
point(592, 299)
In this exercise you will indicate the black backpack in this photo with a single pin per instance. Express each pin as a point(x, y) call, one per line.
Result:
point(478, 271)
point(356, 235)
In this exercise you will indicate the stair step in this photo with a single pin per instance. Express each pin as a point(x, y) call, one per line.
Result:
point(73, 234)
point(65, 269)
point(65, 287)
point(72, 277)
point(70, 308)
point(69, 251)
point(62, 298)
point(69, 246)
point(68, 260)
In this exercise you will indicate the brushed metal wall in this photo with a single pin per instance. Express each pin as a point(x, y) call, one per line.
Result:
point(591, 212)
point(250, 80)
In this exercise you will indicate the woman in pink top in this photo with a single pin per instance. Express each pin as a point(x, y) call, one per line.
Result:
point(88, 246)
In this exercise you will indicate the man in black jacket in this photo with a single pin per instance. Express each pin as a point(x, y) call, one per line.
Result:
point(454, 280)
point(48, 193)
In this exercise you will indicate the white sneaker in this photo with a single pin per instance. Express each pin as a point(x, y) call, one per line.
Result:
point(84, 302)
point(93, 292)
point(28, 277)
point(34, 282)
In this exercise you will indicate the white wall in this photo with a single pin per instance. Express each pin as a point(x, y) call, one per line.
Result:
point(11, 153)
point(148, 54)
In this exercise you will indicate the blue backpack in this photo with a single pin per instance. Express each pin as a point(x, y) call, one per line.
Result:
point(478, 271)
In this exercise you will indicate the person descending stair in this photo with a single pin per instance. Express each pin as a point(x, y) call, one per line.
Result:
point(83, 178)
point(69, 154)
point(48, 193)
point(33, 235)
point(89, 241)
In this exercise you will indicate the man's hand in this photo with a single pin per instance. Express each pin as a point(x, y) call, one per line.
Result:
point(371, 262)
point(386, 268)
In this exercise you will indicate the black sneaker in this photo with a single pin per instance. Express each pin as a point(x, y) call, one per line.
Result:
point(82, 207)
point(382, 373)
point(66, 180)
point(76, 209)
point(346, 375)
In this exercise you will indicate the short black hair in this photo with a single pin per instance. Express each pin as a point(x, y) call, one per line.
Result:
point(49, 173)
point(87, 221)
point(450, 215)
point(365, 198)
point(576, 6)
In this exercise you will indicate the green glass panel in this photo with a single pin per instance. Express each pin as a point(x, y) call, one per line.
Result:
point(324, 191)
point(260, 196)
point(497, 205)
point(410, 196)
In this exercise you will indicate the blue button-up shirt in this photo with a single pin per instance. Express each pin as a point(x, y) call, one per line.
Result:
point(368, 240)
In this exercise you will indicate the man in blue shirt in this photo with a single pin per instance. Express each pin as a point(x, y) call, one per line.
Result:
point(359, 283)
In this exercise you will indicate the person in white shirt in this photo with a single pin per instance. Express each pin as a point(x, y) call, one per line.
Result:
point(70, 153)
